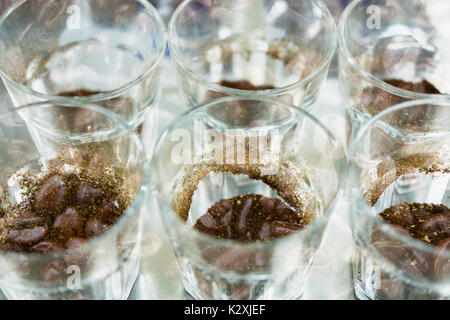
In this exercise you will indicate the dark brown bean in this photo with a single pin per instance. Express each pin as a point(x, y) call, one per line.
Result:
point(237, 259)
point(94, 227)
point(69, 223)
point(27, 236)
point(436, 228)
point(391, 289)
point(47, 247)
point(87, 194)
point(207, 221)
point(110, 210)
point(52, 194)
point(243, 216)
point(440, 263)
point(84, 120)
point(26, 219)
point(282, 228)
point(76, 254)
point(406, 258)
point(379, 235)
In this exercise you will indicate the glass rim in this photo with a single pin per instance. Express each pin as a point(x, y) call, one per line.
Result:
point(178, 58)
point(342, 28)
point(103, 95)
point(130, 211)
point(252, 245)
point(363, 131)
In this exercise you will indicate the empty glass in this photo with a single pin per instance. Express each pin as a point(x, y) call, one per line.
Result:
point(393, 51)
point(274, 162)
point(70, 200)
point(108, 52)
point(400, 191)
point(272, 48)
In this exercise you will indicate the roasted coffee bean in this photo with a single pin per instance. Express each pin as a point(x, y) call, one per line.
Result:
point(404, 257)
point(249, 218)
point(391, 289)
point(87, 194)
point(27, 236)
point(69, 223)
point(110, 210)
point(237, 259)
point(243, 218)
point(399, 214)
point(27, 219)
point(440, 263)
point(47, 247)
point(379, 235)
point(435, 228)
point(94, 227)
point(76, 253)
point(52, 194)
point(277, 229)
point(84, 121)
point(207, 221)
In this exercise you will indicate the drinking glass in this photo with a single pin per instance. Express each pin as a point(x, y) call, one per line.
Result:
point(399, 187)
point(106, 52)
point(99, 260)
point(270, 48)
point(281, 153)
point(392, 51)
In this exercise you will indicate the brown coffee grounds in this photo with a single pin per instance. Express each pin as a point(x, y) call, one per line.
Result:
point(400, 164)
point(427, 222)
point(244, 85)
point(421, 87)
point(250, 218)
point(79, 93)
point(375, 100)
point(284, 177)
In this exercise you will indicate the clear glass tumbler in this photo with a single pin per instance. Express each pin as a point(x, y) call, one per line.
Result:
point(392, 51)
point(105, 52)
point(269, 48)
point(399, 187)
point(245, 201)
point(70, 202)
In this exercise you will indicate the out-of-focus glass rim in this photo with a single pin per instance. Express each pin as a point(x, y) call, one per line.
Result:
point(344, 50)
point(121, 128)
point(253, 245)
point(178, 58)
point(354, 145)
point(104, 95)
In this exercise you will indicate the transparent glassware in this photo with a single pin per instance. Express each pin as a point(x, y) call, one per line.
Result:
point(392, 51)
point(276, 151)
point(270, 48)
point(45, 141)
point(400, 160)
point(105, 52)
